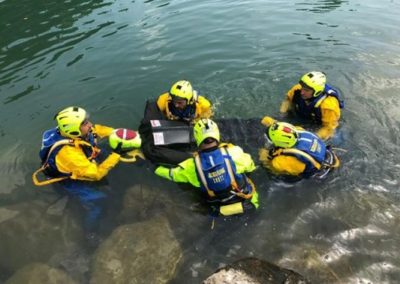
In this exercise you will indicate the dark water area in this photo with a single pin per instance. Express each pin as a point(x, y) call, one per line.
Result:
point(111, 56)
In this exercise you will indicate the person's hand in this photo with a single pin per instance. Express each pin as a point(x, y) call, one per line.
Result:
point(271, 154)
point(267, 121)
point(284, 108)
point(118, 149)
point(152, 167)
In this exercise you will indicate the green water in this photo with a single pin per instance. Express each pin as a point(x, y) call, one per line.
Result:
point(111, 56)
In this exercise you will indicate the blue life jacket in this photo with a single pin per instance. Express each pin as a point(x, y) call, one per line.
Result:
point(310, 109)
point(309, 149)
point(212, 168)
point(186, 114)
point(50, 138)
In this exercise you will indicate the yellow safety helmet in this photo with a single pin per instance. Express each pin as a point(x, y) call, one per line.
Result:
point(282, 134)
point(315, 81)
point(183, 89)
point(69, 121)
point(205, 128)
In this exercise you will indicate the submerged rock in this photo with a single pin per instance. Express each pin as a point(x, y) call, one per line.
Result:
point(28, 234)
point(39, 273)
point(309, 259)
point(145, 252)
point(254, 271)
point(141, 202)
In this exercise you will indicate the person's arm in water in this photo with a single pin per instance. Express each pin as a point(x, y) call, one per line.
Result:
point(102, 131)
point(330, 115)
point(185, 172)
point(268, 121)
point(204, 108)
point(287, 102)
point(162, 102)
point(72, 159)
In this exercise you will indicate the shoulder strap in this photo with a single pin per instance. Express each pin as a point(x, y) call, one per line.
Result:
point(320, 100)
point(56, 145)
point(201, 175)
point(35, 179)
point(71, 142)
point(303, 154)
point(235, 186)
point(230, 171)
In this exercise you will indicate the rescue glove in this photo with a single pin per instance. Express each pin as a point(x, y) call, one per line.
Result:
point(152, 167)
point(271, 154)
point(118, 149)
point(267, 121)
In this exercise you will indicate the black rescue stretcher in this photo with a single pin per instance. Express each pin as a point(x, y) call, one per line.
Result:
point(171, 142)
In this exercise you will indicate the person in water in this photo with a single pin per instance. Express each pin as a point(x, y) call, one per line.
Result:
point(183, 103)
point(292, 151)
point(315, 100)
point(218, 169)
point(70, 155)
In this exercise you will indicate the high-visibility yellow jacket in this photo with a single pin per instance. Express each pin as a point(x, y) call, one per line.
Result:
point(186, 171)
point(282, 164)
point(329, 108)
point(71, 159)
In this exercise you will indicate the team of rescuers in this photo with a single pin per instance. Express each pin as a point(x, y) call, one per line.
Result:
point(70, 153)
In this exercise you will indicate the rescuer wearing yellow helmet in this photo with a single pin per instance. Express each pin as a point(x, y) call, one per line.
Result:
point(218, 169)
point(293, 151)
point(70, 155)
point(183, 103)
point(313, 99)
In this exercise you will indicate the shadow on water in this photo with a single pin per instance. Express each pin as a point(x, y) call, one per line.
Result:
point(39, 32)
point(320, 6)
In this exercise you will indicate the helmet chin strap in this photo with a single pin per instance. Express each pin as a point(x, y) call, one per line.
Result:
point(86, 137)
point(208, 145)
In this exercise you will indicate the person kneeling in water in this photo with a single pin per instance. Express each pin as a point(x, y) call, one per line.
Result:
point(218, 169)
point(293, 151)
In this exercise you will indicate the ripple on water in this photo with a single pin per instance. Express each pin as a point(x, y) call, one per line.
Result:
point(355, 233)
point(377, 188)
point(379, 272)
point(12, 171)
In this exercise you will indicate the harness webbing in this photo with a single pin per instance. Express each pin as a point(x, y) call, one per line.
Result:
point(202, 176)
point(320, 100)
point(236, 190)
point(301, 153)
point(71, 142)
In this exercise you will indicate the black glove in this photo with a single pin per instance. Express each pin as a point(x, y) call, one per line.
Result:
point(118, 149)
point(153, 166)
point(271, 153)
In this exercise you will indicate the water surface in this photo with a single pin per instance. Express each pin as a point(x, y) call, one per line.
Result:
point(111, 56)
